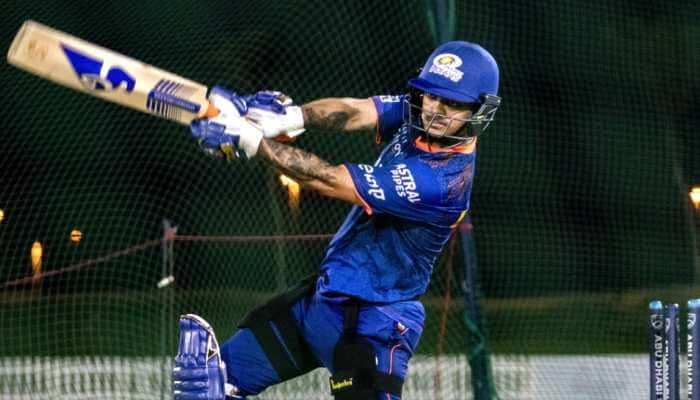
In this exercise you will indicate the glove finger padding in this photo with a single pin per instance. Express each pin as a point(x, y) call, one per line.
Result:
point(213, 139)
point(270, 100)
point(199, 371)
point(228, 102)
point(243, 136)
point(274, 113)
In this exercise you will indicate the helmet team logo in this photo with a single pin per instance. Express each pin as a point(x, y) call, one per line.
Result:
point(447, 65)
point(89, 71)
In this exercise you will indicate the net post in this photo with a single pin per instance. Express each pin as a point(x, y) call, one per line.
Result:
point(477, 348)
point(167, 298)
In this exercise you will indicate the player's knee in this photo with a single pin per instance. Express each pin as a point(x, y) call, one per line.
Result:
point(199, 371)
point(356, 376)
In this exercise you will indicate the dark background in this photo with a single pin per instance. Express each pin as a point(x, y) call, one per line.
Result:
point(580, 206)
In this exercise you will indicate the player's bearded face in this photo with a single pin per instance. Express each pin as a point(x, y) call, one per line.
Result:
point(443, 117)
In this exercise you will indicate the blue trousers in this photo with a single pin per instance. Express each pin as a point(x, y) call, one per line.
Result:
point(393, 330)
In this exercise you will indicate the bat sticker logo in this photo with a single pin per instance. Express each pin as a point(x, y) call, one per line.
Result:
point(89, 70)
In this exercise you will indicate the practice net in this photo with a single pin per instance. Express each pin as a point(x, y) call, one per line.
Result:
point(580, 210)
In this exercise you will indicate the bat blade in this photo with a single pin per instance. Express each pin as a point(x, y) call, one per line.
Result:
point(86, 67)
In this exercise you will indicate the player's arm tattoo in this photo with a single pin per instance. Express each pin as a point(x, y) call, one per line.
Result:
point(335, 121)
point(340, 115)
point(311, 171)
point(298, 164)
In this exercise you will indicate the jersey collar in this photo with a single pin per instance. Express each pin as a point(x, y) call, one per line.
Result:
point(423, 145)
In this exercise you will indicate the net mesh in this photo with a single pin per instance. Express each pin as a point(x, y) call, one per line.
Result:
point(580, 206)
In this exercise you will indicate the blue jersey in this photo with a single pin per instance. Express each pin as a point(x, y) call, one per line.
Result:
point(412, 196)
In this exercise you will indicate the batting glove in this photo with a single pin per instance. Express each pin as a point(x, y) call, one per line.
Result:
point(274, 113)
point(228, 134)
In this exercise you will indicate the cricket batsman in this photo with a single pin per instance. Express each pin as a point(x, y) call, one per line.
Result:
point(359, 316)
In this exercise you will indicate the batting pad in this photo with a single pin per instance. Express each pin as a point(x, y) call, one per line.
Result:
point(199, 371)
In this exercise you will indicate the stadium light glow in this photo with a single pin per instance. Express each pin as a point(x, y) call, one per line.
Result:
point(695, 197)
point(37, 254)
point(76, 236)
point(293, 190)
point(2, 215)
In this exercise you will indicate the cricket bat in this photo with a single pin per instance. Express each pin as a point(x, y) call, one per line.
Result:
point(86, 67)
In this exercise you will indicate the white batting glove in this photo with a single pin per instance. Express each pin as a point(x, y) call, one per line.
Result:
point(274, 113)
point(227, 137)
point(227, 133)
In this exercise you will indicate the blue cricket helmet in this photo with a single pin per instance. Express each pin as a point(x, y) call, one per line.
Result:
point(462, 72)
point(459, 71)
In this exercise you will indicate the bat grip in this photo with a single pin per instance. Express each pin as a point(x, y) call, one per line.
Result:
point(211, 111)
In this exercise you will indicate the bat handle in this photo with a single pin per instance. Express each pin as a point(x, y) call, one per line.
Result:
point(211, 111)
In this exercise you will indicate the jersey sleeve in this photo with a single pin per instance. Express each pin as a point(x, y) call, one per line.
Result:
point(390, 113)
point(405, 190)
